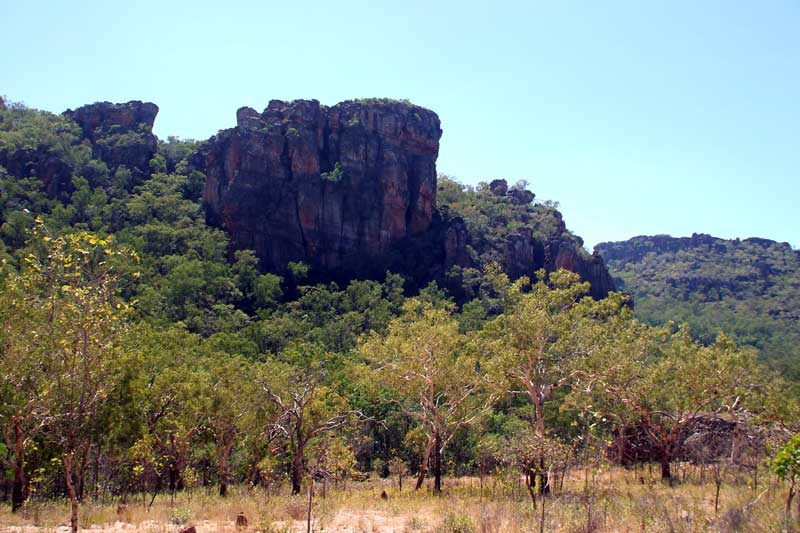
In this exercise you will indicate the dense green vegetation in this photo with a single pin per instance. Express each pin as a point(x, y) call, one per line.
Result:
point(138, 356)
point(491, 216)
point(750, 289)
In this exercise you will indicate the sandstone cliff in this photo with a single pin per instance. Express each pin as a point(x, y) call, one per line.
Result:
point(120, 134)
point(116, 134)
point(351, 190)
point(537, 237)
point(339, 187)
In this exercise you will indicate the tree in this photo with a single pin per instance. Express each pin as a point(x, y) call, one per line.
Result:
point(525, 451)
point(78, 320)
point(397, 467)
point(425, 360)
point(535, 347)
point(170, 397)
point(307, 407)
point(787, 467)
point(655, 393)
point(229, 392)
point(23, 383)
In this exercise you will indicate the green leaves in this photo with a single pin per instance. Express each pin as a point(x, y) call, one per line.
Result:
point(747, 288)
point(786, 464)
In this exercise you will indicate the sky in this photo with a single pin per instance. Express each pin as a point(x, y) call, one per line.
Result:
point(638, 117)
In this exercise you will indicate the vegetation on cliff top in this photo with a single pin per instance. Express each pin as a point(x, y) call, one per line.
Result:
point(750, 289)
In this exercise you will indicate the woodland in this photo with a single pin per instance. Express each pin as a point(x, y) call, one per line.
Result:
point(144, 361)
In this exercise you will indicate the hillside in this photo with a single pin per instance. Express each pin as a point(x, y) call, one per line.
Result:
point(350, 191)
point(302, 300)
point(749, 288)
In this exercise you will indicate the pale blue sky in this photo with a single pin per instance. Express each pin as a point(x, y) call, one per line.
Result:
point(638, 117)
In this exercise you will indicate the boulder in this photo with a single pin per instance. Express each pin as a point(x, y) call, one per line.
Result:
point(499, 187)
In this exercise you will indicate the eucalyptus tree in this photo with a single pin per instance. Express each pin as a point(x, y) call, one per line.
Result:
point(537, 347)
point(664, 383)
point(23, 384)
point(306, 403)
point(430, 367)
point(170, 395)
point(231, 392)
point(75, 320)
point(787, 467)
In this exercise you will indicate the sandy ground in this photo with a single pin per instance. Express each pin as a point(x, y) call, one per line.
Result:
point(345, 521)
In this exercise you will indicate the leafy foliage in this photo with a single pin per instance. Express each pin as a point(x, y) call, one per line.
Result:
point(491, 216)
point(133, 339)
point(750, 289)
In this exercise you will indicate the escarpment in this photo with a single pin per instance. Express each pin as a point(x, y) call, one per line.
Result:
point(338, 187)
point(351, 191)
point(116, 135)
point(120, 134)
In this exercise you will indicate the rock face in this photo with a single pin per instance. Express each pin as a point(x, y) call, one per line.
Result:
point(120, 134)
point(340, 187)
point(351, 190)
point(39, 161)
point(524, 254)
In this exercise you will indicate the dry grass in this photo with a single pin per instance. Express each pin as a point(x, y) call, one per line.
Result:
point(617, 500)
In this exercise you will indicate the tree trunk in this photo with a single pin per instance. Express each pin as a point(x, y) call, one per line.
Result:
point(423, 466)
point(81, 474)
point(538, 405)
point(225, 451)
point(437, 465)
point(310, 501)
point(620, 445)
point(254, 476)
point(544, 479)
point(541, 520)
point(96, 470)
point(18, 491)
point(530, 483)
point(297, 469)
point(665, 471)
point(789, 500)
point(73, 496)
point(172, 474)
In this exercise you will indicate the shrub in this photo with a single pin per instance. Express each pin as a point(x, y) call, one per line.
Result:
point(456, 523)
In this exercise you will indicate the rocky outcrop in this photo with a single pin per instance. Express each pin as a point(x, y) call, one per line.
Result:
point(516, 194)
point(524, 254)
point(41, 153)
point(340, 187)
point(591, 268)
point(41, 162)
point(120, 134)
point(703, 440)
point(351, 190)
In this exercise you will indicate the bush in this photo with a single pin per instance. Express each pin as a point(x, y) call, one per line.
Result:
point(456, 523)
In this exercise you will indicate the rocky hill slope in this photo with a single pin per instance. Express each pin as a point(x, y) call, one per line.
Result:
point(750, 288)
point(350, 190)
